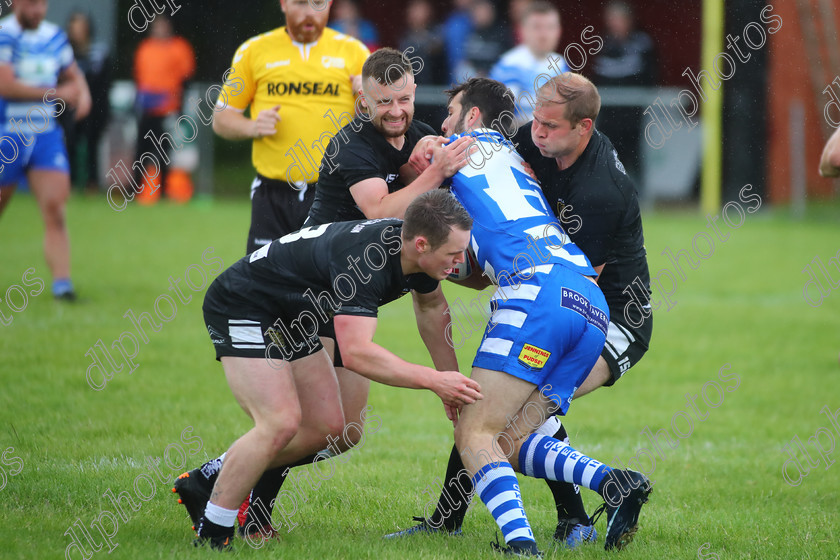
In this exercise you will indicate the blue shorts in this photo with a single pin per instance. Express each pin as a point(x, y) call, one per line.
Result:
point(46, 152)
point(549, 331)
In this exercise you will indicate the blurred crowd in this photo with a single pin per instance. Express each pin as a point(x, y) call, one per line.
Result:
point(473, 38)
point(478, 38)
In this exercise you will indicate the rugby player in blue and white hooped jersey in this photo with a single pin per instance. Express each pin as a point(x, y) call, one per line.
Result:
point(547, 329)
point(38, 79)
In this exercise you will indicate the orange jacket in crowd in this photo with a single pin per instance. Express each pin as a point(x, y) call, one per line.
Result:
point(160, 68)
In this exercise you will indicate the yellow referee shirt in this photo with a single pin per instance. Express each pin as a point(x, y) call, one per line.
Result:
point(310, 82)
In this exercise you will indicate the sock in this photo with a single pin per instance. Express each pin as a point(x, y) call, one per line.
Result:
point(61, 286)
point(448, 514)
point(219, 515)
point(567, 496)
point(266, 490)
point(498, 488)
point(544, 457)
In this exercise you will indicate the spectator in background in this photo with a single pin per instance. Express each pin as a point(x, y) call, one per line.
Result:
point(348, 20)
point(93, 59)
point(163, 63)
point(519, 67)
point(426, 42)
point(456, 28)
point(486, 42)
point(516, 10)
point(627, 59)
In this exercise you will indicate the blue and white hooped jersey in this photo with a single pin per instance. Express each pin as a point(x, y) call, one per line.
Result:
point(514, 231)
point(522, 72)
point(38, 57)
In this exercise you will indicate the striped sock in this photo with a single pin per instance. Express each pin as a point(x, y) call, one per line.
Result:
point(499, 490)
point(545, 457)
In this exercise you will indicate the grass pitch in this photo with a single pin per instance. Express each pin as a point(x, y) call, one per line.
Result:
point(719, 493)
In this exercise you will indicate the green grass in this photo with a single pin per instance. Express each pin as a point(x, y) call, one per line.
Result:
point(722, 485)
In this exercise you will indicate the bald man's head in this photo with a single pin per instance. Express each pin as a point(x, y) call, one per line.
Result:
point(579, 96)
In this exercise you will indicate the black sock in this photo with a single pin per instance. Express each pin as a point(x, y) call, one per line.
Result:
point(266, 490)
point(567, 495)
point(455, 496)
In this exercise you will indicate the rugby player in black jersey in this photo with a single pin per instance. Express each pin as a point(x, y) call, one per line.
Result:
point(363, 175)
point(367, 175)
point(263, 313)
point(596, 201)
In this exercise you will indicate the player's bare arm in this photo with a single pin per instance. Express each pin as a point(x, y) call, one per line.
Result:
point(421, 155)
point(432, 313)
point(360, 354)
point(73, 78)
point(12, 88)
point(231, 123)
point(830, 160)
point(372, 197)
point(477, 280)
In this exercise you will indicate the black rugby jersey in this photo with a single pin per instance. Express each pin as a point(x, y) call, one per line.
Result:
point(347, 268)
point(359, 155)
point(598, 206)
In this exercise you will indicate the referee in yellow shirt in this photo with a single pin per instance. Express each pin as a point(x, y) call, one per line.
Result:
point(299, 81)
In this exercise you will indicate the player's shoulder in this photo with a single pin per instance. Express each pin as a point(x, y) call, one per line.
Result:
point(9, 30)
point(418, 129)
point(9, 26)
point(273, 37)
point(606, 163)
point(358, 132)
point(517, 56)
point(340, 40)
point(51, 35)
point(355, 145)
point(360, 234)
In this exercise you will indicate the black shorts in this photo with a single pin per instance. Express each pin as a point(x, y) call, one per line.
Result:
point(277, 208)
point(625, 343)
point(256, 335)
point(327, 330)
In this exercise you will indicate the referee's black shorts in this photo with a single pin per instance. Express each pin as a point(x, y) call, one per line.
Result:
point(626, 343)
point(277, 208)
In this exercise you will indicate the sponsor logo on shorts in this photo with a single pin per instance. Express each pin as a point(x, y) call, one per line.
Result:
point(533, 356)
point(598, 318)
point(215, 336)
point(578, 303)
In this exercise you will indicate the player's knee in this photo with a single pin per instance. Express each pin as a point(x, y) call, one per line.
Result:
point(54, 212)
point(334, 426)
point(461, 437)
point(281, 428)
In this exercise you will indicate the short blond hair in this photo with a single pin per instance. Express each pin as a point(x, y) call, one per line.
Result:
point(578, 94)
